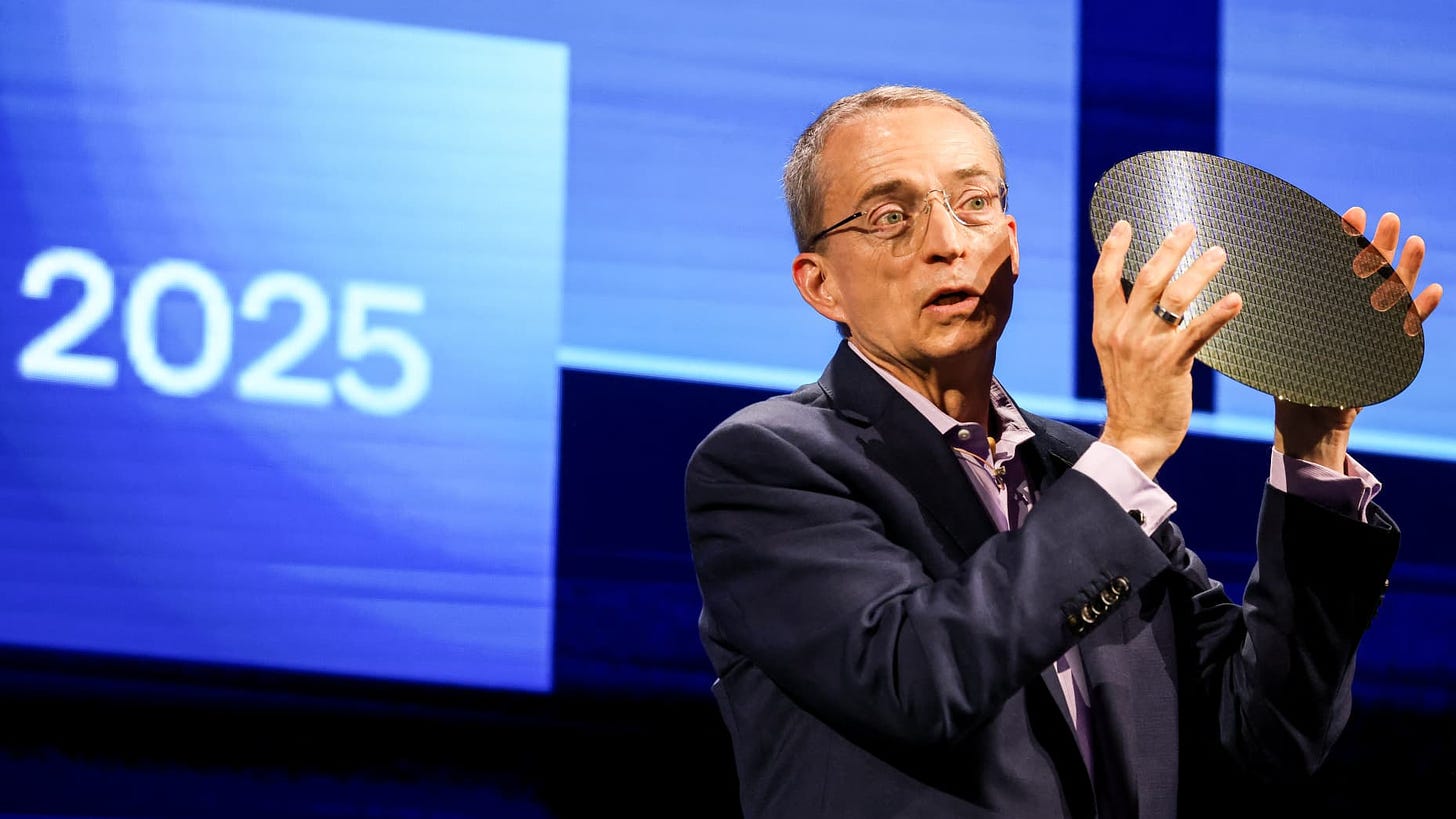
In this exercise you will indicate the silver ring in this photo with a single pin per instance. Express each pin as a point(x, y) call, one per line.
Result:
point(1172, 318)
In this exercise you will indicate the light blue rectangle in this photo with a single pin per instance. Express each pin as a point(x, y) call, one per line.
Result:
point(401, 187)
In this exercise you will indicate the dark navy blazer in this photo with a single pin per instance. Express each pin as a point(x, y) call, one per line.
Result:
point(882, 650)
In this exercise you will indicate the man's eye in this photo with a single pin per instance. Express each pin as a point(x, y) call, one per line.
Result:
point(889, 218)
point(977, 202)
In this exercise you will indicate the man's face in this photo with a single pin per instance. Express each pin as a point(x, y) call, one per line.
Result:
point(946, 295)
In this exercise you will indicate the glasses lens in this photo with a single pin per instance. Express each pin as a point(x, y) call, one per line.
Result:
point(971, 208)
point(905, 242)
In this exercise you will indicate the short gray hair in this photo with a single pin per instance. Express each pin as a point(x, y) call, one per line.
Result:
point(804, 191)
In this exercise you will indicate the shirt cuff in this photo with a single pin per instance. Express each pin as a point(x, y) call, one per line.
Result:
point(1110, 467)
point(1348, 494)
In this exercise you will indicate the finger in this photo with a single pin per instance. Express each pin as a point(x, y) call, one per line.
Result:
point(1368, 261)
point(1201, 329)
point(1412, 256)
point(1387, 234)
point(1107, 294)
point(1421, 308)
point(1182, 291)
point(1429, 299)
point(1354, 221)
point(1154, 277)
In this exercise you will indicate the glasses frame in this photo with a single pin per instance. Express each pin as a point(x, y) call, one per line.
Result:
point(944, 197)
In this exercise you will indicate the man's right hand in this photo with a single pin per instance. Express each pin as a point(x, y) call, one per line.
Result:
point(1147, 361)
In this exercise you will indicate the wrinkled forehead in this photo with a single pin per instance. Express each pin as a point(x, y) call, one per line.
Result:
point(915, 148)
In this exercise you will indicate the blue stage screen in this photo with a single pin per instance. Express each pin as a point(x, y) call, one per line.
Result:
point(292, 284)
point(1357, 108)
point(284, 306)
point(691, 135)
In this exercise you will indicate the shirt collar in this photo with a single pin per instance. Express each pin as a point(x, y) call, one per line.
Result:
point(1014, 429)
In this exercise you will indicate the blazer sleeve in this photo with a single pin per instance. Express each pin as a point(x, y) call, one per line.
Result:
point(1276, 672)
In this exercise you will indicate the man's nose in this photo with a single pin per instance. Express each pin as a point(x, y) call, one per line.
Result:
point(944, 235)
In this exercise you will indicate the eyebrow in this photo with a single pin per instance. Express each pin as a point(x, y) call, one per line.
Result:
point(899, 185)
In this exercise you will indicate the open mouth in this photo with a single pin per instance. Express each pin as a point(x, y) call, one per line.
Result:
point(950, 298)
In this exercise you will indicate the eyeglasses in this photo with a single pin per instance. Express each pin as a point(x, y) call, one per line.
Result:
point(902, 228)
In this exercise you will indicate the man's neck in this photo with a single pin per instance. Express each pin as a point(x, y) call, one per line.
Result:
point(961, 388)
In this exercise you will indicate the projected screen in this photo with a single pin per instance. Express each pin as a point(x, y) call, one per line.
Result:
point(290, 288)
point(1356, 109)
point(283, 308)
point(693, 281)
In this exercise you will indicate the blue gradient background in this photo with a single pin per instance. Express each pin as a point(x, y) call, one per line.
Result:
point(582, 191)
point(1357, 107)
point(419, 546)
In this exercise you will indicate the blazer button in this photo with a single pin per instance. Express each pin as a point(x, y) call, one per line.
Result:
point(1137, 515)
point(1121, 586)
point(1088, 616)
point(1109, 596)
point(1075, 624)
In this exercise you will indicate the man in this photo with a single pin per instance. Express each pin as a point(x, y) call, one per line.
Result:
point(922, 600)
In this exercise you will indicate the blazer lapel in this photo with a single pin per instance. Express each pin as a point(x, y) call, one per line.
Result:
point(1047, 454)
point(900, 439)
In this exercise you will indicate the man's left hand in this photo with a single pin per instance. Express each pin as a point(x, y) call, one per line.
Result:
point(1321, 434)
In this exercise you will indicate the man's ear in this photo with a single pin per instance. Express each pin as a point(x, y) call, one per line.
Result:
point(818, 285)
point(1015, 247)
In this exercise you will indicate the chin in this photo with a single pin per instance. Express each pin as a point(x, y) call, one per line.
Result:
point(960, 346)
point(974, 332)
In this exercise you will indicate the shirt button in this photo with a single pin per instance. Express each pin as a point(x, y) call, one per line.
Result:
point(963, 434)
